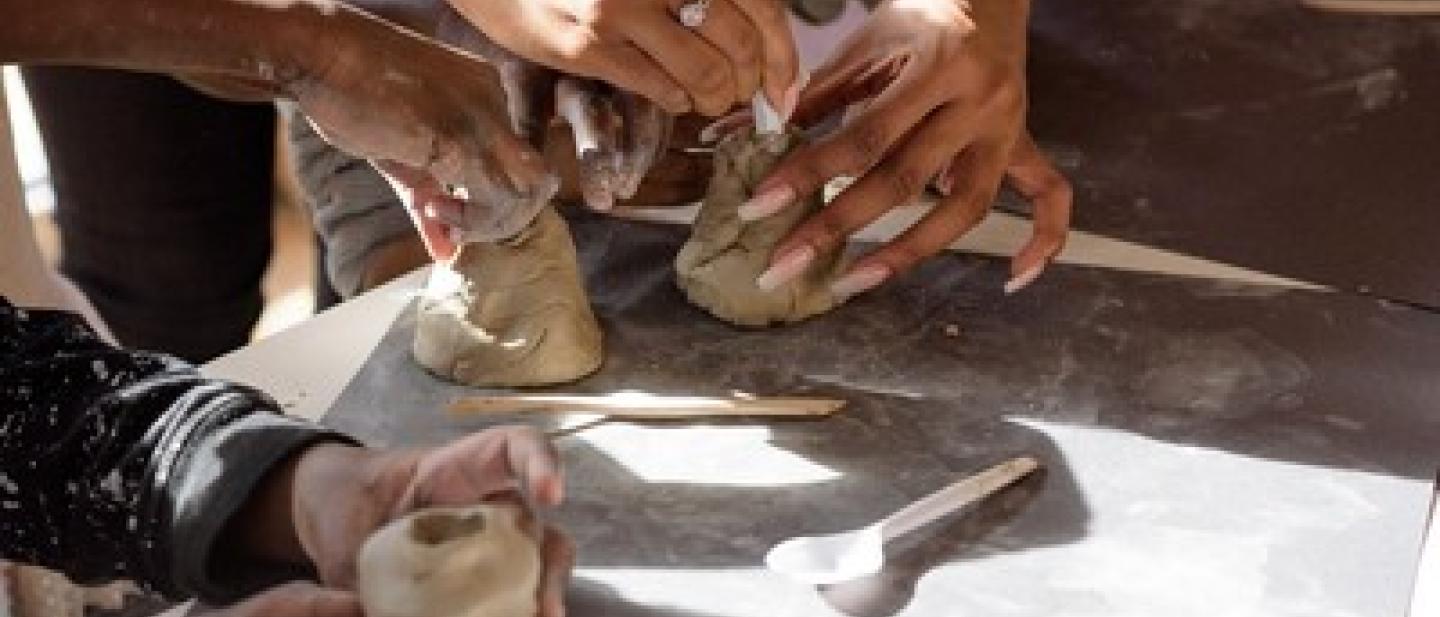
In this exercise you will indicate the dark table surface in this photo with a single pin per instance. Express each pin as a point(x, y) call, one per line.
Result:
point(1210, 448)
point(1257, 132)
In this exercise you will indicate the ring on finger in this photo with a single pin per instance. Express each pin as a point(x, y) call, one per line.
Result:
point(692, 13)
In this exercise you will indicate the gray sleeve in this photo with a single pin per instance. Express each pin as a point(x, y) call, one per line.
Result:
point(354, 208)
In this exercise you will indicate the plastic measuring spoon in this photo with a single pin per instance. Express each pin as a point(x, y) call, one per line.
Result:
point(825, 560)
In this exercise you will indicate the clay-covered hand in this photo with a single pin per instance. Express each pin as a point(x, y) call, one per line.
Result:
point(384, 94)
point(938, 89)
point(615, 136)
point(341, 494)
point(640, 46)
point(290, 600)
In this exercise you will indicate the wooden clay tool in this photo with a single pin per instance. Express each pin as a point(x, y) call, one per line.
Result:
point(648, 406)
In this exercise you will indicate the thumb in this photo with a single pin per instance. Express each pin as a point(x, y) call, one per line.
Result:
point(296, 600)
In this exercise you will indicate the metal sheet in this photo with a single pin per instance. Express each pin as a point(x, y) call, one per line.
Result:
point(1211, 449)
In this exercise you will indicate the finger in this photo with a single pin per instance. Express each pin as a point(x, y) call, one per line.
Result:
point(529, 90)
point(853, 150)
point(487, 152)
point(1035, 178)
point(645, 134)
point(699, 68)
point(533, 459)
point(896, 181)
point(727, 125)
point(781, 77)
point(593, 125)
point(843, 80)
point(949, 220)
point(731, 32)
point(429, 208)
point(628, 68)
point(558, 555)
point(297, 600)
point(495, 459)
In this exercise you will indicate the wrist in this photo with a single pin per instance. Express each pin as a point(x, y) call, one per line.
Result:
point(270, 527)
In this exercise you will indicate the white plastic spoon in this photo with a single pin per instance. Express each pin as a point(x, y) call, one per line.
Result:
point(826, 560)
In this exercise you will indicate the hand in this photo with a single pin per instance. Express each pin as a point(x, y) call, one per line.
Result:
point(382, 93)
point(290, 600)
point(323, 506)
point(941, 94)
point(616, 136)
point(640, 46)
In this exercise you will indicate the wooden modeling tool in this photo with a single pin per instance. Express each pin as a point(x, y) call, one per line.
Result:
point(648, 406)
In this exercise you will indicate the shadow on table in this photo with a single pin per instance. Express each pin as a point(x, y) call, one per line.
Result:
point(945, 376)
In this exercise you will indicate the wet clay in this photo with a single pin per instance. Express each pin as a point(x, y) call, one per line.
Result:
point(511, 313)
point(718, 266)
point(451, 562)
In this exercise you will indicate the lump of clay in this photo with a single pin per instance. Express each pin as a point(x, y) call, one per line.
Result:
point(451, 562)
point(512, 313)
point(718, 266)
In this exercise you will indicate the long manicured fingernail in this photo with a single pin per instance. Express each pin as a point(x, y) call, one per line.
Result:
point(791, 98)
point(786, 268)
point(859, 281)
point(1024, 279)
point(766, 203)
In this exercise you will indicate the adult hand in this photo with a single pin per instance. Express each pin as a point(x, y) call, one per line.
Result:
point(616, 136)
point(640, 46)
point(290, 600)
point(385, 94)
point(323, 505)
point(939, 94)
point(344, 494)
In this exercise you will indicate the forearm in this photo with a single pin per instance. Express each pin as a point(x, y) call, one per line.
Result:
point(119, 464)
point(258, 40)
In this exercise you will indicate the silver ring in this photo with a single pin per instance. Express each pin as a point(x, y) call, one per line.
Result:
point(692, 13)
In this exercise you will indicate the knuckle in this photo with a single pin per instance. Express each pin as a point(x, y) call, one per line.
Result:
point(825, 231)
point(747, 49)
point(864, 144)
point(904, 181)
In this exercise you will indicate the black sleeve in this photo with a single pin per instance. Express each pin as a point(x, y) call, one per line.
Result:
point(124, 464)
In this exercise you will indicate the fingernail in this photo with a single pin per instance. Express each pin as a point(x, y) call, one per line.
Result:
point(790, 100)
point(786, 268)
point(1024, 279)
point(859, 281)
point(766, 203)
point(711, 132)
point(945, 181)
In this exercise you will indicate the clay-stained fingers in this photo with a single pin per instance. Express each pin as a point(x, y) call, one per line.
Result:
point(530, 94)
point(557, 552)
point(781, 60)
point(697, 66)
point(644, 136)
point(1036, 178)
point(731, 32)
point(594, 125)
point(435, 214)
point(950, 219)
